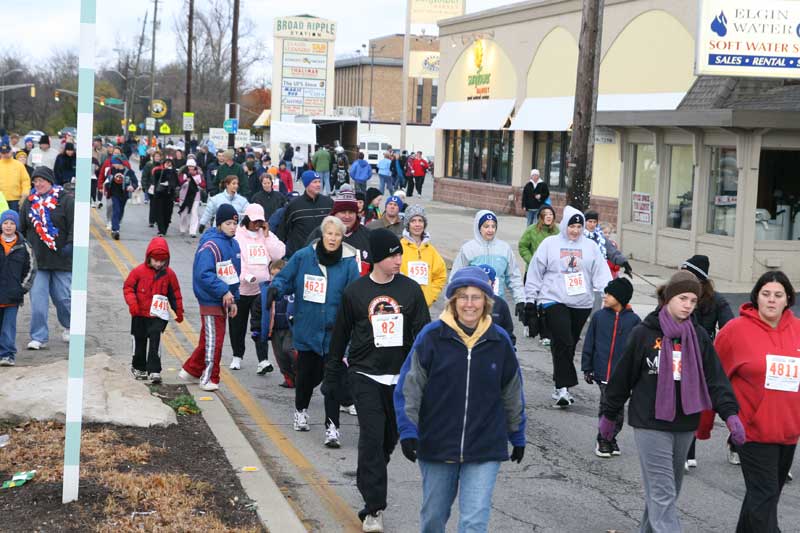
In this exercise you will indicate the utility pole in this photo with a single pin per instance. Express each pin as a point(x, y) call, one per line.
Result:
point(132, 104)
point(598, 50)
point(153, 61)
point(233, 97)
point(188, 134)
point(579, 174)
point(404, 81)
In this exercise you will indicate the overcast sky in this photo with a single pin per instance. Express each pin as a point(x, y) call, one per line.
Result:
point(120, 22)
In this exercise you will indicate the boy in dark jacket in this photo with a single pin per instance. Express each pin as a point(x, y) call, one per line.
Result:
point(501, 315)
point(17, 270)
point(605, 339)
point(276, 326)
point(150, 290)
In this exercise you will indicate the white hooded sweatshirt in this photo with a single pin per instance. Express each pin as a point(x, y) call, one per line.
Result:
point(566, 271)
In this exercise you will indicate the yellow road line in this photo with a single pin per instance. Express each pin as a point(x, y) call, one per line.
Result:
point(338, 508)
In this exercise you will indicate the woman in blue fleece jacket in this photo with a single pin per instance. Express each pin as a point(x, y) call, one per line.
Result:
point(459, 401)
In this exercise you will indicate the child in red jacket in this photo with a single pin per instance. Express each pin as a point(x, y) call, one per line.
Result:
point(150, 290)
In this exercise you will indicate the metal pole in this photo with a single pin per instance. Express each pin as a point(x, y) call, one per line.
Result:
point(2, 103)
point(371, 79)
point(234, 97)
point(125, 116)
point(80, 255)
point(406, 55)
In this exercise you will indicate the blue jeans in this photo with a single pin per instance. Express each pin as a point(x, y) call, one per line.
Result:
point(8, 332)
point(55, 284)
point(386, 181)
point(326, 182)
point(533, 214)
point(473, 482)
point(13, 205)
point(118, 210)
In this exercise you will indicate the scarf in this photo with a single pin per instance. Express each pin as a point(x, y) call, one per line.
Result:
point(327, 258)
point(598, 237)
point(694, 391)
point(39, 215)
point(191, 192)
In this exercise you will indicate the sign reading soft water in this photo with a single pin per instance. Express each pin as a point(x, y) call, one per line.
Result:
point(749, 38)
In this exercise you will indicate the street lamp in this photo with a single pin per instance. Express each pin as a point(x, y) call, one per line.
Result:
point(3, 95)
point(372, 47)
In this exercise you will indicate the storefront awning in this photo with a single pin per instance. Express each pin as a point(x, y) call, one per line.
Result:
point(293, 133)
point(474, 115)
point(555, 113)
point(263, 119)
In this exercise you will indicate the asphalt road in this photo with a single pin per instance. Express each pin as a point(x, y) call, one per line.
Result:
point(559, 487)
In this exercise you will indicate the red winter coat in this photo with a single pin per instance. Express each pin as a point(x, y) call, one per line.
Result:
point(143, 282)
point(286, 178)
point(769, 416)
point(418, 166)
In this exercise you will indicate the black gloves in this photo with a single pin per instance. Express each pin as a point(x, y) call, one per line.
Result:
point(520, 311)
point(409, 447)
point(588, 377)
point(516, 454)
point(272, 295)
point(201, 229)
point(627, 268)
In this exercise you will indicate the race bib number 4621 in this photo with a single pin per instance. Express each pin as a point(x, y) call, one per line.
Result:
point(314, 288)
point(783, 373)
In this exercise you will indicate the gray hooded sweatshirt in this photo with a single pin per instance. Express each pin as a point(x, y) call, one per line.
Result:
point(566, 271)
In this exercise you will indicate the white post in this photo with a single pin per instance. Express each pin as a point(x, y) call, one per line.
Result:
point(406, 54)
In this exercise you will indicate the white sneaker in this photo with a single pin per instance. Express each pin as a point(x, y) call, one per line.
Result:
point(301, 420)
point(209, 386)
point(154, 377)
point(108, 226)
point(65, 335)
point(733, 457)
point(332, 437)
point(555, 394)
point(691, 463)
point(236, 363)
point(373, 523)
point(350, 410)
point(563, 398)
point(185, 376)
point(5, 361)
point(36, 345)
point(570, 398)
point(545, 342)
point(263, 367)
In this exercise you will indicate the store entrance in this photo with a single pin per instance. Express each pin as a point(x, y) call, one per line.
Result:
point(777, 215)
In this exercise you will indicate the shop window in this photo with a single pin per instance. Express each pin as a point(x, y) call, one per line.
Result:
point(479, 155)
point(434, 97)
point(778, 201)
point(645, 171)
point(549, 157)
point(681, 184)
point(724, 180)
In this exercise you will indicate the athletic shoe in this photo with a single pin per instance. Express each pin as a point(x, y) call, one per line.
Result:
point(115, 235)
point(36, 345)
point(686, 466)
point(373, 523)
point(263, 367)
point(570, 398)
point(733, 457)
point(151, 225)
point(193, 236)
point(350, 409)
point(332, 437)
point(140, 375)
point(99, 205)
point(210, 387)
point(789, 476)
point(108, 226)
point(691, 463)
point(615, 448)
point(6, 361)
point(65, 335)
point(301, 420)
point(154, 377)
point(236, 363)
point(563, 398)
point(544, 342)
point(185, 376)
point(603, 449)
point(555, 394)
point(286, 385)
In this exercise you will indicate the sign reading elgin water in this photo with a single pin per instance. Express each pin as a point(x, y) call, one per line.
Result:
point(749, 38)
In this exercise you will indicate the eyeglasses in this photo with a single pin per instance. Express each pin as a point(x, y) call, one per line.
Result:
point(473, 298)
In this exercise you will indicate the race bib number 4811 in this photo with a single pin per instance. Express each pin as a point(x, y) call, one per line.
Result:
point(783, 373)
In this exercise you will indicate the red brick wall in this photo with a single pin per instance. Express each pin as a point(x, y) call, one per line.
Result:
point(482, 195)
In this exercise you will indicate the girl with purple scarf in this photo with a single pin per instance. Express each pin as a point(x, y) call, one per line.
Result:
point(671, 374)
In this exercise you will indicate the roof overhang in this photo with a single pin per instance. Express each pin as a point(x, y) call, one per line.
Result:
point(474, 115)
point(702, 118)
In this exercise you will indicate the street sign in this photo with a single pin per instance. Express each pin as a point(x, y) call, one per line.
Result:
point(219, 137)
point(242, 138)
point(164, 129)
point(188, 121)
point(231, 125)
point(150, 124)
point(114, 101)
point(132, 128)
point(159, 108)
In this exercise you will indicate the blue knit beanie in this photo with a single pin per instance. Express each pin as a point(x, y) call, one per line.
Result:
point(470, 276)
point(395, 199)
point(226, 212)
point(116, 160)
point(489, 271)
point(309, 176)
point(11, 215)
point(485, 217)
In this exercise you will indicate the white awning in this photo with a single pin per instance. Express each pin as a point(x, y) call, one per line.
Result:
point(293, 133)
point(555, 113)
point(263, 119)
point(473, 115)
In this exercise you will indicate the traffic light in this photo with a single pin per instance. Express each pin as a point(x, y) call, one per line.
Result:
point(56, 96)
point(33, 91)
point(102, 100)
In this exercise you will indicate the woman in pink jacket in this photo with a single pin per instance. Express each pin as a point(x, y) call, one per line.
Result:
point(259, 247)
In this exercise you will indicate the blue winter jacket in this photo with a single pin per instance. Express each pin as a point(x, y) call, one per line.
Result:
point(441, 380)
point(313, 322)
point(360, 171)
point(214, 247)
point(607, 331)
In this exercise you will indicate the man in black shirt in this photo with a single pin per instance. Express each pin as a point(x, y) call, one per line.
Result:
point(380, 316)
point(304, 214)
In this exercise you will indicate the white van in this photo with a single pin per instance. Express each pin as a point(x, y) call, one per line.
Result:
point(373, 146)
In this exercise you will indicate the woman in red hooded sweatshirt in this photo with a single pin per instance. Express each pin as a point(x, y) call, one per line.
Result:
point(760, 352)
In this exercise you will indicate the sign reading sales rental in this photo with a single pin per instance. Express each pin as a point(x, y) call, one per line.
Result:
point(749, 38)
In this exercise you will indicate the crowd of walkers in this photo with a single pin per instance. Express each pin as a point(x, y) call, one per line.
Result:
point(341, 288)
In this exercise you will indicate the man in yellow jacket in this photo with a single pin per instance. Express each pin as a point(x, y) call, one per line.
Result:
point(15, 183)
point(421, 261)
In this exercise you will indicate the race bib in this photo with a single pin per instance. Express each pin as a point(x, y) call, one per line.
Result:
point(419, 272)
point(783, 373)
point(276, 185)
point(257, 254)
point(574, 283)
point(676, 365)
point(227, 272)
point(36, 159)
point(160, 307)
point(314, 288)
point(387, 330)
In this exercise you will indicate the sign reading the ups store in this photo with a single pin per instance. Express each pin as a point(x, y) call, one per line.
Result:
point(749, 38)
